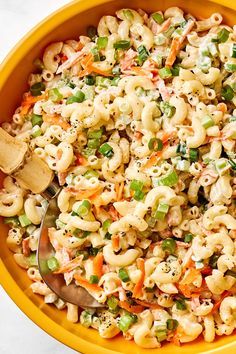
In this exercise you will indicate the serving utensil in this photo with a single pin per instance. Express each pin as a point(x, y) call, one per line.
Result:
point(32, 173)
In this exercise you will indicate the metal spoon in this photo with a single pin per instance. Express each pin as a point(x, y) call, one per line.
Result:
point(35, 175)
point(69, 293)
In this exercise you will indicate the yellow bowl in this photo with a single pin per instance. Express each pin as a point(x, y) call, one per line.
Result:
point(69, 22)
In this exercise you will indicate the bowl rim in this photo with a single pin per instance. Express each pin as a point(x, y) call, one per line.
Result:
point(7, 281)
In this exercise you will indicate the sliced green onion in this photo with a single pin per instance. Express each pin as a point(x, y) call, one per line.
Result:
point(169, 32)
point(36, 89)
point(158, 18)
point(180, 304)
point(93, 279)
point(102, 42)
point(84, 208)
point(107, 236)
point(88, 152)
point(136, 185)
point(169, 244)
point(165, 73)
point(86, 318)
point(161, 211)
point(91, 173)
point(161, 333)
point(143, 54)
point(183, 165)
point(126, 321)
point(223, 35)
point(36, 131)
point(96, 55)
point(181, 149)
point(175, 70)
point(233, 51)
point(106, 224)
point(12, 220)
point(128, 14)
point(213, 260)
point(24, 221)
point(123, 44)
point(172, 324)
point(221, 165)
point(93, 143)
point(123, 275)
point(170, 179)
point(115, 80)
point(32, 259)
point(36, 119)
point(52, 264)
point(233, 164)
point(112, 303)
point(106, 150)
point(155, 144)
point(167, 109)
point(55, 95)
point(91, 32)
point(78, 97)
point(95, 134)
point(230, 67)
point(227, 93)
point(85, 254)
point(188, 238)
point(193, 154)
point(207, 122)
point(138, 195)
point(90, 80)
point(116, 70)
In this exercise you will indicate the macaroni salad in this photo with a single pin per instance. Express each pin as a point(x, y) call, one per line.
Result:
point(138, 122)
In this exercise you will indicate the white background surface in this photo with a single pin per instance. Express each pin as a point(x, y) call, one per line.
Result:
point(18, 335)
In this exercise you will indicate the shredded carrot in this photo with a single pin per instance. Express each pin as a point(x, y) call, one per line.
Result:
point(69, 266)
point(207, 270)
point(222, 107)
point(138, 286)
point(115, 242)
point(131, 308)
point(53, 119)
point(139, 71)
point(80, 160)
point(85, 284)
point(185, 290)
point(59, 154)
point(192, 274)
point(164, 26)
point(218, 303)
point(28, 101)
point(151, 305)
point(177, 43)
point(189, 264)
point(113, 212)
point(119, 190)
point(97, 265)
point(94, 69)
point(176, 339)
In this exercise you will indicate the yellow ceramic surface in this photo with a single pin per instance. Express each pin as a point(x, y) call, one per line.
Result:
point(69, 22)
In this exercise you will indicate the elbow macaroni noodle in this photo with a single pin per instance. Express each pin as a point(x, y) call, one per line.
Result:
point(137, 121)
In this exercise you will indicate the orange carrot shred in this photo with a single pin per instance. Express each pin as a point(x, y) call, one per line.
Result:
point(115, 242)
point(85, 284)
point(138, 286)
point(131, 308)
point(97, 265)
point(147, 304)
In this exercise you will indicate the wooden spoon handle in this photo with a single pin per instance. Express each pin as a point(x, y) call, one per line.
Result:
point(12, 152)
point(30, 172)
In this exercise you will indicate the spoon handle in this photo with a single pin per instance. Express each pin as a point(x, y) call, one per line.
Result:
point(30, 172)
